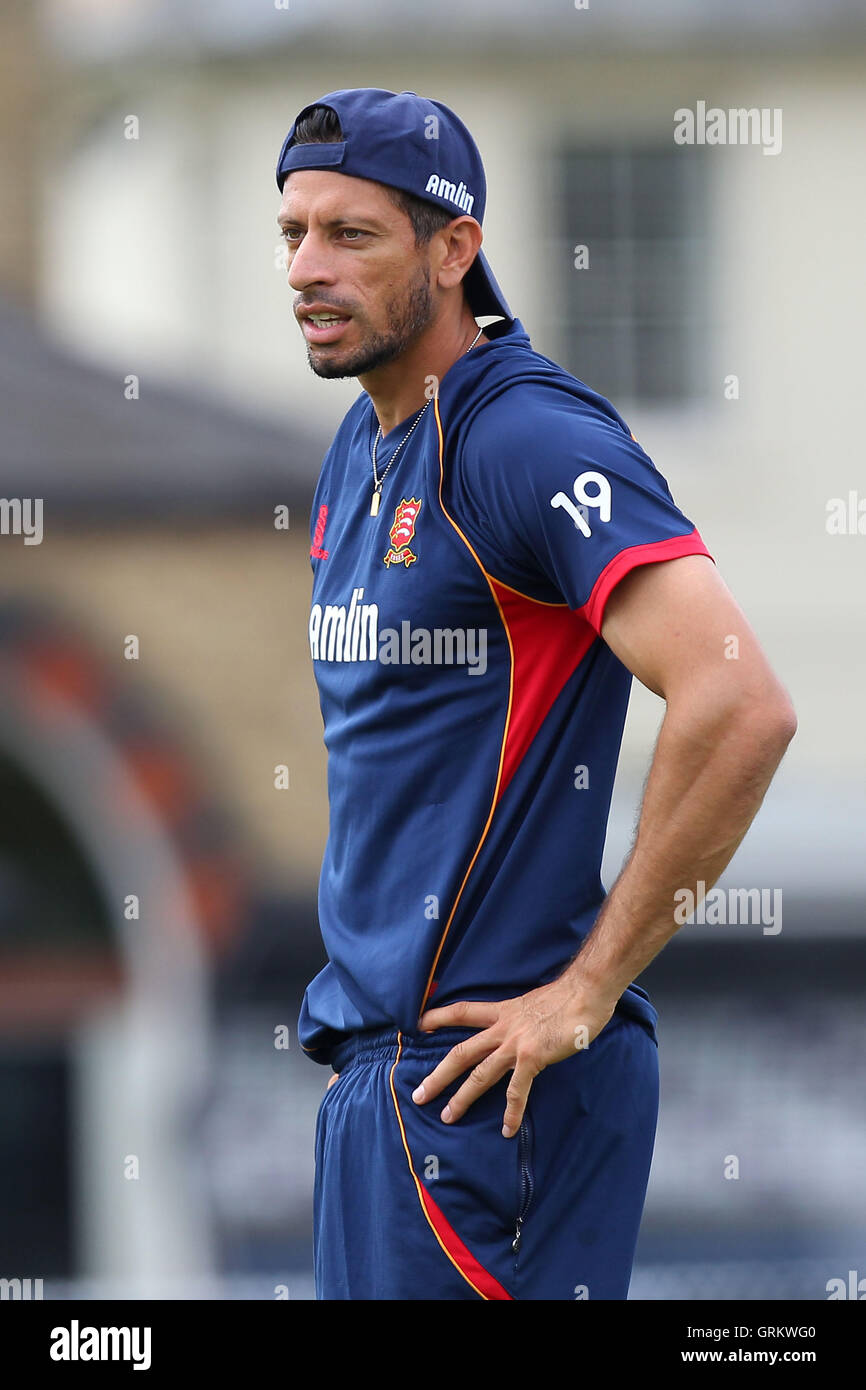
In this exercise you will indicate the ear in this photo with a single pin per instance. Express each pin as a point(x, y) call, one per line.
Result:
point(459, 244)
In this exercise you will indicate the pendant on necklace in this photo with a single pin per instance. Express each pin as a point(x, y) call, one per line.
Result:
point(374, 504)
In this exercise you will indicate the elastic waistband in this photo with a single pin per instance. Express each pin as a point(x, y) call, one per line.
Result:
point(383, 1045)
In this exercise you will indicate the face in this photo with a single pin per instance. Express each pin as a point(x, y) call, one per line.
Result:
point(352, 254)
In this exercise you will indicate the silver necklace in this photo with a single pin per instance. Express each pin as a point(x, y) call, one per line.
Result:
point(377, 481)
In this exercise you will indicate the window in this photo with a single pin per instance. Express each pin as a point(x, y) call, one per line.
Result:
point(634, 320)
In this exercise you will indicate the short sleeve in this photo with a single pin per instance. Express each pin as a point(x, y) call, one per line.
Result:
point(560, 501)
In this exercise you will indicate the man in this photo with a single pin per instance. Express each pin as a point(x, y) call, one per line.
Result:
point(494, 556)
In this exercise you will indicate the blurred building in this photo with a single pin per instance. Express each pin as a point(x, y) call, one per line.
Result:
point(164, 411)
point(146, 709)
point(721, 304)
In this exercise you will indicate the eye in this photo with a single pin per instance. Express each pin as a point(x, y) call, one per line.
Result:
point(290, 233)
point(352, 233)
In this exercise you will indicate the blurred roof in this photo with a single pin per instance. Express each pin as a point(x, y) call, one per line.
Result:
point(103, 29)
point(69, 436)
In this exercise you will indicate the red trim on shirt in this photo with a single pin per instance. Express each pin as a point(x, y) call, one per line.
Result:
point(548, 645)
point(629, 559)
point(548, 642)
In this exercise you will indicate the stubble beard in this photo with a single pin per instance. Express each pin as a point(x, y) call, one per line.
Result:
point(407, 319)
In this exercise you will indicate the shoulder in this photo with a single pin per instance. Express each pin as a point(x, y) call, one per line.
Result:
point(532, 429)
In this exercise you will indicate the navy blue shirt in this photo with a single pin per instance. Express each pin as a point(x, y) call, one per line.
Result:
point(473, 715)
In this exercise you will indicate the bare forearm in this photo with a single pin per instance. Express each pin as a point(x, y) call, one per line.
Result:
point(726, 727)
point(708, 778)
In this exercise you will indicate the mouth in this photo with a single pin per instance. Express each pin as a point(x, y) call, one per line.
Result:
point(324, 326)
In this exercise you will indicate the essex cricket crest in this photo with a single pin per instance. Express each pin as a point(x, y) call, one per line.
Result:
point(402, 532)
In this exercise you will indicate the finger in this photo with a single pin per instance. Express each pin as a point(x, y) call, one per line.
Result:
point(461, 1057)
point(334, 1078)
point(466, 1013)
point(516, 1097)
point(479, 1080)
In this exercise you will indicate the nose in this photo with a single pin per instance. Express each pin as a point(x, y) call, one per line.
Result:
point(308, 263)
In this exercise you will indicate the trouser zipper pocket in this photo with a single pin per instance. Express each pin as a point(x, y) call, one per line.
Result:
point(527, 1185)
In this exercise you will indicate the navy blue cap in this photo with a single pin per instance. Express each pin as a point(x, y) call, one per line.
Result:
point(412, 143)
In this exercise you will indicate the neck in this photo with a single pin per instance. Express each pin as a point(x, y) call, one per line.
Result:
point(401, 387)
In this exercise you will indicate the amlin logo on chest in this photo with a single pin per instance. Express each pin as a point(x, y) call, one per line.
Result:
point(338, 633)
